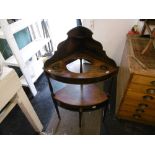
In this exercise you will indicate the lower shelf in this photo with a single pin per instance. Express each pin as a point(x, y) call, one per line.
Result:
point(87, 97)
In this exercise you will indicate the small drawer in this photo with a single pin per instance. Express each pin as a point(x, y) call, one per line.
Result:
point(143, 89)
point(144, 80)
point(137, 117)
point(140, 109)
point(135, 99)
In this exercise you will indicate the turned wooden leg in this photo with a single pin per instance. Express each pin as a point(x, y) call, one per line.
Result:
point(56, 107)
point(105, 109)
point(80, 117)
point(52, 95)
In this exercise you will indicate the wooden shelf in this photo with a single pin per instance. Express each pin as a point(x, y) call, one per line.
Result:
point(11, 61)
point(61, 70)
point(1, 34)
point(38, 71)
point(81, 96)
point(27, 52)
point(32, 48)
point(19, 25)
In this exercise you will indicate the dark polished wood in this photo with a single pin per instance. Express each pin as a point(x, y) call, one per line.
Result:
point(75, 97)
point(80, 94)
point(52, 94)
point(80, 45)
point(99, 70)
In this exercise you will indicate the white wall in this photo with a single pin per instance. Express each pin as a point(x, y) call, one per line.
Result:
point(59, 29)
point(111, 33)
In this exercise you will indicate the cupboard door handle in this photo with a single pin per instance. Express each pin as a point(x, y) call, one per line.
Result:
point(136, 116)
point(152, 83)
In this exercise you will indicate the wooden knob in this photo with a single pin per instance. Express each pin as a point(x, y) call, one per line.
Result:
point(150, 91)
point(143, 105)
point(136, 116)
point(148, 97)
point(152, 83)
point(139, 110)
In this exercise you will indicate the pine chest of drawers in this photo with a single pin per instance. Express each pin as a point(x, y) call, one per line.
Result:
point(135, 99)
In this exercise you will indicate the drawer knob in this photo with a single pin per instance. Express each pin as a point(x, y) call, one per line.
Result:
point(150, 91)
point(148, 97)
point(143, 105)
point(136, 116)
point(152, 83)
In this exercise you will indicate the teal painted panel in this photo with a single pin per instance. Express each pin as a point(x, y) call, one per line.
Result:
point(22, 38)
point(5, 49)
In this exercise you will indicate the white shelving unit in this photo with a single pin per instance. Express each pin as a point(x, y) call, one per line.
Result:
point(32, 48)
point(11, 61)
point(1, 34)
point(25, 58)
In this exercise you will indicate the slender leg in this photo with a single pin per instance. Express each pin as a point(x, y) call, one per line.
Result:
point(81, 68)
point(56, 107)
point(81, 87)
point(105, 109)
point(80, 117)
point(52, 94)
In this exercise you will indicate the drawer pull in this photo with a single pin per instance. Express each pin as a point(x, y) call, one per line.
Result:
point(152, 83)
point(136, 116)
point(150, 91)
point(147, 97)
point(143, 105)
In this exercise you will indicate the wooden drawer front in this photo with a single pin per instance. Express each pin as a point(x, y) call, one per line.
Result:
point(135, 99)
point(143, 89)
point(144, 80)
point(137, 117)
point(138, 110)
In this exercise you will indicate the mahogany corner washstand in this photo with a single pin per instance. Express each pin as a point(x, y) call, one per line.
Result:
point(81, 93)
